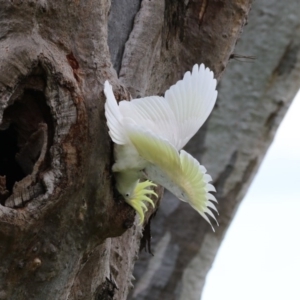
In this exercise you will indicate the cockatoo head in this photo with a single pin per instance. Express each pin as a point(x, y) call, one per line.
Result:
point(135, 192)
point(126, 183)
point(126, 191)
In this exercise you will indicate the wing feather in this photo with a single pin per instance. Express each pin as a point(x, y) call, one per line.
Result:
point(153, 113)
point(114, 117)
point(179, 115)
point(153, 148)
point(195, 184)
point(192, 100)
point(190, 184)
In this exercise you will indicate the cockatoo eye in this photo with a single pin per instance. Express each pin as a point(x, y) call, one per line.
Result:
point(127, 194)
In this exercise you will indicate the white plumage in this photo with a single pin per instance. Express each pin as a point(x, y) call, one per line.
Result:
point(150, 132)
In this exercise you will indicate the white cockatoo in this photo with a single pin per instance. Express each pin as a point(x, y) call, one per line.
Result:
point(149, 134)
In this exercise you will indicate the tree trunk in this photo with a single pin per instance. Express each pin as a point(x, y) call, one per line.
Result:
point(254, 95)
point(64, 234)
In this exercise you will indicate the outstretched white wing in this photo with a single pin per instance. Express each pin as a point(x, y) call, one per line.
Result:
point(192, 100)
point(114, 117)
point(195, 183)
point(154, 114)
point(153, 148)
point(180, 114)
point(180, 173)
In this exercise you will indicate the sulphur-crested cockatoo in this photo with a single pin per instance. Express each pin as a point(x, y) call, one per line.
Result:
point(149, 134)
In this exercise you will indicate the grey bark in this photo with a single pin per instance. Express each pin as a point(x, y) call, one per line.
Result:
point(254, 95)
point(55, 221)
point(64, 233)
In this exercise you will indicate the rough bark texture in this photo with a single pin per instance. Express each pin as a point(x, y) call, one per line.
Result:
point(64, 234)
point(54, 143)
point(253, 98)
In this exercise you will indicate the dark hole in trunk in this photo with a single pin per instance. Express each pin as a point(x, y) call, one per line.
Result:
point(22, 140)
point(8, 150)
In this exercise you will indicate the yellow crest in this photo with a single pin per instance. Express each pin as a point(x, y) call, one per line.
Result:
point(139, 196)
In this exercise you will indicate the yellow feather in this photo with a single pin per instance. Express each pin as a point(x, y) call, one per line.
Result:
point(139, 196)
point(155, 150)
point(192, 181)
point(181, 169)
